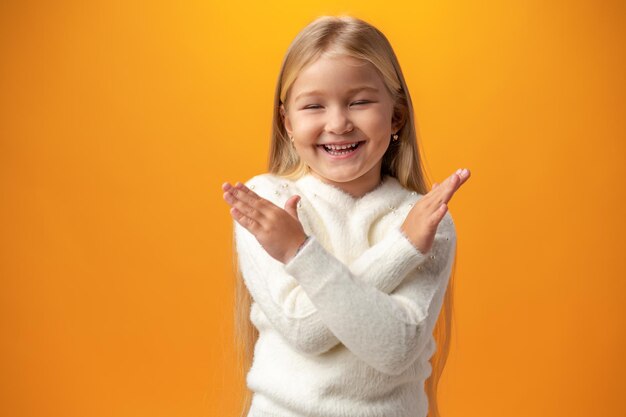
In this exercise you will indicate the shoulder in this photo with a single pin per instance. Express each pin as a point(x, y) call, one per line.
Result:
point(269, 186)
point(446, 228)
point(262, 179)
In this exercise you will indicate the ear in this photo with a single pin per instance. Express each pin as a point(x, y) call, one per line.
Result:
point(286, 120)
point(397, 121)
point(395, 127)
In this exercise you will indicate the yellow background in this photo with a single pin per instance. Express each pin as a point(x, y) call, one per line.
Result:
point(119, 121)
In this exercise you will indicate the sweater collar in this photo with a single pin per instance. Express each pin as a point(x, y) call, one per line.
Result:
point(318, 190)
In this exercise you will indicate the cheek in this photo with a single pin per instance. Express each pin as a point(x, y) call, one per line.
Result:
point(376, 115)
point(306, 126)
point(375, 123)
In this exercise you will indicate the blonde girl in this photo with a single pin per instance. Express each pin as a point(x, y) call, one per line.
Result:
point(344, 256)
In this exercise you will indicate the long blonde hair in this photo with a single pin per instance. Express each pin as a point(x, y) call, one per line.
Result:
point(347, 36)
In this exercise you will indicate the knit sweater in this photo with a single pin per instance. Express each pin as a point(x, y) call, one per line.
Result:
point(345, 326)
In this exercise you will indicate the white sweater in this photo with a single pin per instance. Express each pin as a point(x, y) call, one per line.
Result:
point(345, 326)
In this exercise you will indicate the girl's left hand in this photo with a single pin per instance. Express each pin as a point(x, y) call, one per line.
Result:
point(278, 231)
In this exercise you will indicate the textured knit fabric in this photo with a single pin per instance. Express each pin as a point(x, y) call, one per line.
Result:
point(345, 326)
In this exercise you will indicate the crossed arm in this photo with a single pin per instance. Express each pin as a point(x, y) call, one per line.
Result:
point(382, 307)
point(288, 307)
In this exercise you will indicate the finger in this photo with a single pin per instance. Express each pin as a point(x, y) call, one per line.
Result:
point(250, 197)
point(463, 174)
point(248, 222)
point(247, 200)
point(290, 206)
point(441, 194)
point(457, 179)
point(244, 208)
point(449, 186)
point(449, 189)
point(438, 215)
point(453, 186)
point(437, 186)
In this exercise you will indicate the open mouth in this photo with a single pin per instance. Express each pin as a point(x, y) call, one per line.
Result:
point(341, 150)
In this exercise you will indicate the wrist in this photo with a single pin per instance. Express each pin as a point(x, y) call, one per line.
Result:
point(306, 239)
point(417, 244)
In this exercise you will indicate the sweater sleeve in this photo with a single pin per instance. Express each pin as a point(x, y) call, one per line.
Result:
point(387, 331)
point(288, 307)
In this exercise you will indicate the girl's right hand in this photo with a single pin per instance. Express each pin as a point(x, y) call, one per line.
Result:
point(420, 225)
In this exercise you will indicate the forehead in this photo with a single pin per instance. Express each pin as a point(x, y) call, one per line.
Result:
point(335, 75)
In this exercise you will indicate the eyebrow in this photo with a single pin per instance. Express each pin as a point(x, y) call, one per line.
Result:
point(352, 90)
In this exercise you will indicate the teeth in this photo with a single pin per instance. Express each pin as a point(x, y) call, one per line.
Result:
point(339, 147)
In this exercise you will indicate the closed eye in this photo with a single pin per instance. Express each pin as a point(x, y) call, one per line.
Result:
point(317, 106)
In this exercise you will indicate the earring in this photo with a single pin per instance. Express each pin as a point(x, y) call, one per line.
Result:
point(291, 139)
point(395, 136)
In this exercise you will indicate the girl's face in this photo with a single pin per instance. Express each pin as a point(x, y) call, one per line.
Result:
point(340, 101)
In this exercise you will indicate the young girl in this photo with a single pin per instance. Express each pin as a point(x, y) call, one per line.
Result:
point(344, 254)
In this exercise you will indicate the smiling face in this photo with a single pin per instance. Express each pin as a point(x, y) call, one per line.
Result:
point(341, 100)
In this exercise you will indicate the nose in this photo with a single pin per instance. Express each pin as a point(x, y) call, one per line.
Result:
point(338, 121)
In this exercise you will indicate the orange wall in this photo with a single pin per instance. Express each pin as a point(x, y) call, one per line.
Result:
point(120, 120)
